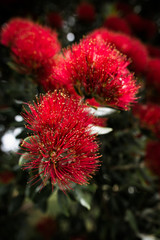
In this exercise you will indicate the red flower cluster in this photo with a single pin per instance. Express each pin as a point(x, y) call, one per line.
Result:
point(62, 147)
point(118, 24)
point(32, 45)
point(6, 177)
point(54, 19)
point(153, 51)
point(153, 73)
point(10, 30)
point(123, 8)
point(86, 12)
point(46, 226)
point(132, 47)
point(152, 157)
point(141, 25)
point(99, 71)
point(149, 116)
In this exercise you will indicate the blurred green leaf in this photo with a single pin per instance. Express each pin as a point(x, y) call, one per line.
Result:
point(83, 197)
point(24, 158)
point(131, 220)
point(15, 203)
point(63, 201)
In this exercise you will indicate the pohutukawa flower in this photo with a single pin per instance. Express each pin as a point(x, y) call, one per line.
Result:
point(132, 47)
point(11, 29)
point(62, 148)
point(86, 12)
point(149, 116)
point(32, 46)
point(97, 70)
point(6, 176)
point(153, 51)
point(46, 227)
point(123, 8)
point(153, 73)
point(152, 158)
point(117, 24)
point(54, 19)
point(141, 25)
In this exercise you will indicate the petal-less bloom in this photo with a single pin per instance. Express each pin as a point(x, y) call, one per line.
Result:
point(54, 19)
point(117, 24)
point(153, 51)
point(11, 29)
point(130, 46)
point(97, 70)
point(153, 73)
point(32, 45)
point(152, 158)
point(149, 116)
point(62, 148)
point(143, 26)
point(86, 12)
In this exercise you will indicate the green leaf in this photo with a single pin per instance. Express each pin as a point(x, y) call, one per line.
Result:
point(63, 201)
point(24, 158)
point(28, 139)
point(41, 170)
point(131, 220)
point(12, 65)
point(100, 130)
point(101, 111)
point(53, 206)
point(16, 203)
point(84, 198)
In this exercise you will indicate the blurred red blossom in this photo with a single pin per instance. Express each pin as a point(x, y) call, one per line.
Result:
point(62, 148)
point(149, 116)
point(31, 44)
point(54, 19)
point(6, 176)
point(11, 29)
point(46, 226)
point(86, 12)
point(124, 8)
point(118, 24)
point(152, 157)
point(153, 51)
point(141, 25)
point(153, 74)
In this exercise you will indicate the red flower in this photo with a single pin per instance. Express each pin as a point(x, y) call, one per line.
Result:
point(117, 24)
point(46, 226)
point(11, 29)
point(132, 47)
point(51, 83)
point(153, 73)
point(153, 51)
point(6, 176)
point(150, 28)
point(124, 8)
point(62, 148)
point(100, 71)
point(32, 45)
point(86, 12)
point(139, 56)
point(135, 21)
point(149, 116)
point(152, 157)
point(54, 19)
point(49, 79)
point(141, 25)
